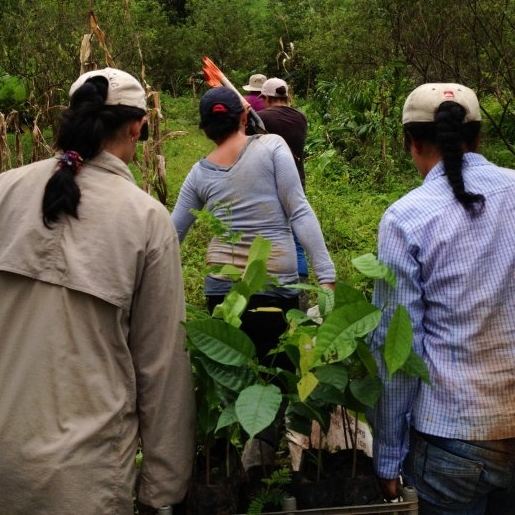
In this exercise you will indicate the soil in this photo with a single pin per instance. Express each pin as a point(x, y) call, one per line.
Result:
point(336, 486)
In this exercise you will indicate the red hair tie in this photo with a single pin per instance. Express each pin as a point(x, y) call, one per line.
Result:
point(71, 159)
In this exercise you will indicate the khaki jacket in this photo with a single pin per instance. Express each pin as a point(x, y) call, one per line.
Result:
point(92, 348)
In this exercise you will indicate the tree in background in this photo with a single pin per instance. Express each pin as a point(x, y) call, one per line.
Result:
point(306, 42)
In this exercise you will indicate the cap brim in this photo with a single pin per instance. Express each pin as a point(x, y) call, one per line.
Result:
point(250, 88)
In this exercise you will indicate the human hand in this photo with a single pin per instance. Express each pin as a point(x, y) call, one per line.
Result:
point(390, 488)
point(144, 509)
point(328, 286)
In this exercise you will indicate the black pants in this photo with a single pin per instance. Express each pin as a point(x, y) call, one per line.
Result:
point(264, 328)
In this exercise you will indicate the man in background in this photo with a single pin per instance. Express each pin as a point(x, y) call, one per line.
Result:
point(253, 89)
point(290, 123)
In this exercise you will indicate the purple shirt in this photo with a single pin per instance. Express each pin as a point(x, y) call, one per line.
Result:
point(255, 101)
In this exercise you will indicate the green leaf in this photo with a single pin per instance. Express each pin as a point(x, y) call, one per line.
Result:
point(297, 317)
point(257, 407)
point(399, 340)
point(299, 424)
point(325, 301)
point(233, 378)
point(306, 385)
point(370, 266)
point(337, 336)
point(310, 412)
point(206, 419)
point(306, 352)
point(344, 294)
point(366, 390)
point(231, 271)
point(256, 276)
point(227, 417)
point(335, 374)
point(231, 308)
point(328, 395)
point(367, 358)
point(415, 366)
point(220, 341)
point(259, 251)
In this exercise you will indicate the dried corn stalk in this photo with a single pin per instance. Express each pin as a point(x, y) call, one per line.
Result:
point(99, 33)
point(5, 152)
point(153, 171)
point(13, 122)
point(86, 53)
point(6, 124)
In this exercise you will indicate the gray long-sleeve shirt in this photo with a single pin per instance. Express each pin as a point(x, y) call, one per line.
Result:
point(260, 193)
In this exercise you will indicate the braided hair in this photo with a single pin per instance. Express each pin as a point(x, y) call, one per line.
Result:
point(84, 128)
point(453, 138)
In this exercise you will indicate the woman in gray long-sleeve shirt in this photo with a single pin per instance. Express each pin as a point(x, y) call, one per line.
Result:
point(251, 184)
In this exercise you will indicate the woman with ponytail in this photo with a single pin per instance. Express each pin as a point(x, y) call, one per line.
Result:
point(92, 348)
point(451, 244)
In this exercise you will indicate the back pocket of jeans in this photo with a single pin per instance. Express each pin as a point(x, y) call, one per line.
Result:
point(447, 477)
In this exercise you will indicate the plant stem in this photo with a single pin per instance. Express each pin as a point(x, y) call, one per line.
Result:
point(355, 446)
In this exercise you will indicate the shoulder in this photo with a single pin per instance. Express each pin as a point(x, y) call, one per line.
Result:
point(270, 141)
point(36, 168)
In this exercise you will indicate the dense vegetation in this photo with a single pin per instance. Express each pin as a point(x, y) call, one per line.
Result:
point(350, 64)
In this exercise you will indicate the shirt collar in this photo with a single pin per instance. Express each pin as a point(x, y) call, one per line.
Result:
point(469, 159)
point(113, 164)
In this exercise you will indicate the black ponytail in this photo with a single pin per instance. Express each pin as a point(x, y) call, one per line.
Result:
point(453, 138)
point(84, 128)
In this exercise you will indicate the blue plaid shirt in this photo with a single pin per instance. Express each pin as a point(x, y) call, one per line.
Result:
point(456, 276)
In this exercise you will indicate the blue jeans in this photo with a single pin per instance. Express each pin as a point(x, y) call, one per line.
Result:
point(302, 262)
point(457, 477)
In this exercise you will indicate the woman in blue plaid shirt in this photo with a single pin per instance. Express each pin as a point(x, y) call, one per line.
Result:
point(451, 244)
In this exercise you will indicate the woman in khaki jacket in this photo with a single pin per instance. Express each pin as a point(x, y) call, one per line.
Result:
point(92, 348)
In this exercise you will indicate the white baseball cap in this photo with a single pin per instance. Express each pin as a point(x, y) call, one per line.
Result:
point(422, 102)
point(274, 87)
point(123, 88)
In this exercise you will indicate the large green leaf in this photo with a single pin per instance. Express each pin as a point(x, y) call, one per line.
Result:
point(227, 417)
point(233, 378)
point(231, 308)
point(230, 270)
point(344, 294)
point(259, 251)
point(367, 358)
point(257, 407)
point(416, 366)
point(337, 336)
point(220, 341)
point(370, 266)
point(297, 317)
point(306, 352)
point(299, 424)
point(328, 395)
point(325, 301)
point(311, 412)
point(335, 374)
point(399, 340)
point(256, 276)
point(306, 385)
point(366, 390)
